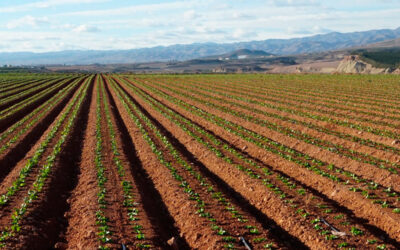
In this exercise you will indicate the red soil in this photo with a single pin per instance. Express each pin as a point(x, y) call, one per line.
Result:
point(64, 214)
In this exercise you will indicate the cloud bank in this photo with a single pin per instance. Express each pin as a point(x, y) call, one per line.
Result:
point(53, 25)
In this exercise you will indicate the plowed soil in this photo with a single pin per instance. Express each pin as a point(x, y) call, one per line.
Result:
point(201, 162)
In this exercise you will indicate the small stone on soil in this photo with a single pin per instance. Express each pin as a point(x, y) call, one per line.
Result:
point(60, 245)
point(173, 243)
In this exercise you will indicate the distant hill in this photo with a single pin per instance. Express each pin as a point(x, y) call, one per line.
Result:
point(380, 57)
point(395, 43)
point(384, 54)
point(312, 44)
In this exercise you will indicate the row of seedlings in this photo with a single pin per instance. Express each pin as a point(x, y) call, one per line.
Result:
point(351, 138)
point(24, 81)
point(360, 90)
point(19, 88)
point(204, 187)
point(131, 207)
point(303, 85)
point(297, 134)
point(318, 211)
point(362, 95)
point(19, 97)
point(18, 215)
point(288, 107)
point(26, 123)
point(368, 189)
point(102, 221)
point(260, 141)
point(33, 162)
point(10, 111)
point(356, 107)
point(19, 80)
point(8, 85)
point(331, 110)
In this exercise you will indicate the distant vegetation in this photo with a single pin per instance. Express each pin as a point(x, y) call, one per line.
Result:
point(17, 69)
point(381, 58)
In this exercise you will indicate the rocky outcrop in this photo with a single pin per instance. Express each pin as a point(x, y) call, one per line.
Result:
point(353, 64)
point(396, 72)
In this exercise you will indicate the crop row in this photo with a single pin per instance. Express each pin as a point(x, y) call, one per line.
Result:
point(274, 181)
point(129, 203)
point(331, 171)
point(10, 111)
point(36, 158)
point(71, 112)
point(286, 106)
point(25, 88)
point(357, 88)
point(386, 196)
point(288, 131)
point(211, 189)
point(340, 88)
point(21, 96)
point(104, 233)
point(300, 93)
point(322, 129)
point(22, 87)
point(20, 82)
point(33, 118)
point(340, 110)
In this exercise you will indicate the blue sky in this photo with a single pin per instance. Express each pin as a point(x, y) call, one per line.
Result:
point(54, 25)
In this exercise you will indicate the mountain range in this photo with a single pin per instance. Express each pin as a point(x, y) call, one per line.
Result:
point(179, 52)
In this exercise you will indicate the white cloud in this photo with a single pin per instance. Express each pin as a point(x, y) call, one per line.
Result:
point(294, 2)
point(143, 8)
point(316, 29)
point(86, 28)
point(185, 21)
point(45, 4)
point(27, 21)
point(241, 15)
point(190, 15)
point(243, 34)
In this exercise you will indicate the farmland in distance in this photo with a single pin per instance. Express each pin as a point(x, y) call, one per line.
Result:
point(243, 161)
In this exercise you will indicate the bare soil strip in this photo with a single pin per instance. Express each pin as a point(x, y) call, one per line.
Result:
point(81, 232)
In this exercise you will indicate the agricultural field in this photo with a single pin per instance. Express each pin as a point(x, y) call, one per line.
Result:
point(100, 161)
